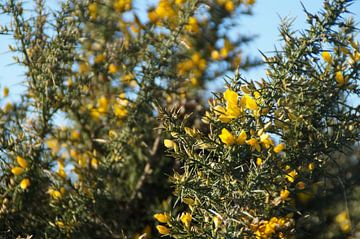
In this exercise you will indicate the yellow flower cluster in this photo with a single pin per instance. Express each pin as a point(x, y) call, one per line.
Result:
point(162, 218)
point(268, 229)
point(234, 107)
point(18, 170)
point(195, 65)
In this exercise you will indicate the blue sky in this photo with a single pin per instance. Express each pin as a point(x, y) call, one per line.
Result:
point(264, 23)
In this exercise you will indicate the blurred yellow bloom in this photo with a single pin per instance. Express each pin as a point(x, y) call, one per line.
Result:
point(112, 69)
point(22, 162)
point(291, 176)
point(17, 170)
point(284, 194)
point(25, 183)
point(340, 78)
point(229, 6)
point(266, 140)
point(254, 144)
point(278, 148)
point(259, 162)
point(327, 57)
point(93, 10)
point(163, 230)
point(162, 217)
point(342, 219)
point(6, 91)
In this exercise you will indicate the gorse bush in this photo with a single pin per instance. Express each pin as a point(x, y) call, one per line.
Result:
point(81, 152)
point(267, 148)
point(113, 107)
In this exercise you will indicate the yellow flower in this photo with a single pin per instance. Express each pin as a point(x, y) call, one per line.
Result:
point(217, 221)
point(93, 10)
point(241, 139)
point(226, 137)
point(162, 217)
point(163, 230)
point(278, 148)
point(192, 25)
point(259, 162)
point(266, 140)
point(83, 68)
point(60, 224)
point(342, 219)
point(291, 176)
point(122, 5)
point(99, 58)
point(55, 194)
point(186, 219)
point(340, 78)
point(327, 57)
point(250, 2)
point(112, 69)
point(94, 163)
point(284, 194)
point(311, 166)
point(248, 102)
point(231, 97)
point(254, 144)
point(169, 144)
point(229, 6)
point(22, 162)
point(6, 91)
point(25, 183)
point(215, 55)
point(17, 170)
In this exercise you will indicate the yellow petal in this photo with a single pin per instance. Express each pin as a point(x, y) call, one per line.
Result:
point(226, 137)
point(162, 229)
point(169, 144)
point(242, 137)
point(21, 161)
point(17, 170)
point(162, 217)
point(231, 97)
point(279, 148)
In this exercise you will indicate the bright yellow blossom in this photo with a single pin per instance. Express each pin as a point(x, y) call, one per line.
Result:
point(22, 162)
point(340, 79)
point(254, 144)
point(112, 69)
point(170, 144)
point(284, 194)
point(291, 176)
point(327, 57)
point(266, 140)
point(163, 230)
point(25, 183)
point(17, 171)
point(162, 217)
point(278, 148)
point(249, 102)
point(226, 137)
point(186, 219)
point(241, 139)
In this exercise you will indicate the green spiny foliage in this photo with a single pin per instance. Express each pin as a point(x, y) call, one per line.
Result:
point(268, 150)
